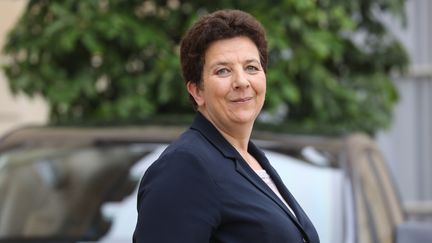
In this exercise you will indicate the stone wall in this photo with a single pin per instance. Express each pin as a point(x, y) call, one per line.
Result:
point(16, 110)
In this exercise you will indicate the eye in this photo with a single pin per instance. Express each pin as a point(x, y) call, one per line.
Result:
point(252, 69)
point(223, 72)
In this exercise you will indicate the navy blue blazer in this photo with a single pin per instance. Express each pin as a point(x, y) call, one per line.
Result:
point(201, 190)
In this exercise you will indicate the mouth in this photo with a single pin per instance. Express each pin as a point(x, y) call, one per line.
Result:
point(241, 100)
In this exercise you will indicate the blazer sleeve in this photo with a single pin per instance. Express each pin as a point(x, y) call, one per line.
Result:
point(177, 201)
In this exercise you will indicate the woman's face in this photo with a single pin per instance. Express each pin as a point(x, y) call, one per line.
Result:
point(234, 83)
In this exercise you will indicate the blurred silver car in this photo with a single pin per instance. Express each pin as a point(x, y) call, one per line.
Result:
point(80, 184)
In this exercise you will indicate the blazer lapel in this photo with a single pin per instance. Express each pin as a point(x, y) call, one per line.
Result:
point(202, 125)
point(260, 184)
point(260, 156)
point(287, 195)
point(301, 219)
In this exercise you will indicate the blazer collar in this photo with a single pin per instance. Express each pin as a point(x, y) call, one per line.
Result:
point(286, 194)
point(206, 128)
point(260, 156)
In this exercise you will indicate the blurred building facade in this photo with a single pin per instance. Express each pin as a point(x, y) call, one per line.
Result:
point(19, 110)
point(407, 144)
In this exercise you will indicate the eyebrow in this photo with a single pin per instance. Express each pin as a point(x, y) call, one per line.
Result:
point(222, 63)
point(253, 60)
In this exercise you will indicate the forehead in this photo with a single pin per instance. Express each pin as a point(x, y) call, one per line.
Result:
point(233, 49)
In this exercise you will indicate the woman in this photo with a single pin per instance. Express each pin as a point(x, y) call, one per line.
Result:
point(213, 184)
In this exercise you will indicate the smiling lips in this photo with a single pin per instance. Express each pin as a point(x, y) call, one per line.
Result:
point(241, 100)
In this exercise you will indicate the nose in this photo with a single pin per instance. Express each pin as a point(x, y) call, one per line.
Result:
point(241, 80)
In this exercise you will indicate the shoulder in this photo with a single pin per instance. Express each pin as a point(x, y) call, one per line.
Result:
point(177, 194)
point(186, 140)
point(190, 147)
point(191, 159)
point(183, 157)
point(181, 172)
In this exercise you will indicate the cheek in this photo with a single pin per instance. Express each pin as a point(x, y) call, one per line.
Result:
point(220, 88)
point(261, 85)
point(264, 86)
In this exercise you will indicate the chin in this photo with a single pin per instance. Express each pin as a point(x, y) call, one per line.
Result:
point(245, 117)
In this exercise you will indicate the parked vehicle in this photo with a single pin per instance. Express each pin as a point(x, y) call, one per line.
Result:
point(80, 184)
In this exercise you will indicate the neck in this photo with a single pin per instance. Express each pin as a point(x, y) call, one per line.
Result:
point(238, 135)
point(238, 139)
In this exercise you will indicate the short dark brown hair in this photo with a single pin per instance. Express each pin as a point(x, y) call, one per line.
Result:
point(219, 25)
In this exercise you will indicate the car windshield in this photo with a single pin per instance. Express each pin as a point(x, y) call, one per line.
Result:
point(88, 193)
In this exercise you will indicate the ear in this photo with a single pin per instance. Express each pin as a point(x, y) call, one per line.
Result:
point(196, 93)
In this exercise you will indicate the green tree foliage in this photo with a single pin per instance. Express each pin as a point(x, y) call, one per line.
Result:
point(117, 60)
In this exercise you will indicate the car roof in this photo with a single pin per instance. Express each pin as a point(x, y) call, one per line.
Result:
point(81, 136)
point(87, 135)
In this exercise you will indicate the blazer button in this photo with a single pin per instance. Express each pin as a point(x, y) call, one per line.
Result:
point(304, 240)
